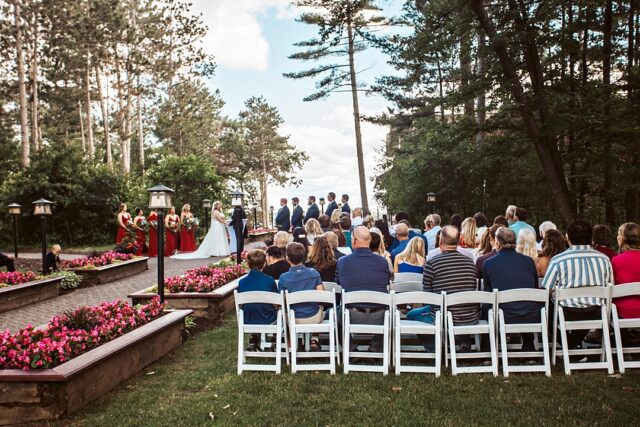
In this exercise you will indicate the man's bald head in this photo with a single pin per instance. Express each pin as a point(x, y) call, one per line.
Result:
point(361, 237)
point(449, 236)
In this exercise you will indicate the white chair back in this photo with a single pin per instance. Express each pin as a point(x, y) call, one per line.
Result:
point(258, 297)
point(323, 297)
point(407, 277)
point(619, 323)
point(530, 294)
point(331, 286)
point(625, 290)
point(470, 297)
point(400, 287)
point(430, 298)
point(367, 297)
point(582, 292)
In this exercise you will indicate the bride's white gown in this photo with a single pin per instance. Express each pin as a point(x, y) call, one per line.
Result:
point(215, 242)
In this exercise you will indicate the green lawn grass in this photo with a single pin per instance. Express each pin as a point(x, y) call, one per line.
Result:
point(198, 382)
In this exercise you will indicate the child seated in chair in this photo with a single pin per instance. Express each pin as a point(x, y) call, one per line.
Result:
point(301, 278)
point(256, 280)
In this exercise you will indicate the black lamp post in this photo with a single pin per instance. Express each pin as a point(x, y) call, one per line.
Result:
point(14, 210)
point(206, 205)
point(42, 208)
point(254, 205)
point(322, 205)
point(272, 219)
point(237, 199)
point(160, 200)
point(431, 200)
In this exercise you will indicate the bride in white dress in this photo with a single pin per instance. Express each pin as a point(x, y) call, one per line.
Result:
point(215, 242)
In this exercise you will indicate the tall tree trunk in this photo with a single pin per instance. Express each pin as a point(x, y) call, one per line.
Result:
point(571, 142)
point(104, 105)
point(266, 221)
point(481, 100)
point(556, 178)
point(465, 74)
point(606, 83)
point(90, 143)
point(81, 117)
point(140, 127)
point(35, 140)
point(356, 119)
point(22, 90)
point(441, 89)
point(631, 193)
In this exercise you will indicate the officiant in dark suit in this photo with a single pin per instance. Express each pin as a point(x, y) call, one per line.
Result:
point(333, 205)
point(298, 214)
point(283, 219)
point(312, 210)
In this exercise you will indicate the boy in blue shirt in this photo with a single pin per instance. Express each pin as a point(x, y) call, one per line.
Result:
point(256, 280)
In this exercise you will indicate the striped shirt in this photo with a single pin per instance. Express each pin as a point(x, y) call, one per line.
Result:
point(579, 266)
point(453, 272)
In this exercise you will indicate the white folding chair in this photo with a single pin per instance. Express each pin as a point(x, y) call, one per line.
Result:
point(327, 326)
point(619, 291)
point(407, 277)
point(606, 358)
point(332, 286)
point(517, 295)
point(399, 287)
point(482, 327)
point(348, 328)
point(278, 329)
point(413, 328)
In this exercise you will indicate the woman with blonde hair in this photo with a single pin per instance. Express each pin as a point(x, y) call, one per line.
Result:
point(412, 259)
point(313, 230)
point(377, 246)
point(527, 243)
point(335, 218)
point(281, 239)
point(468, 231)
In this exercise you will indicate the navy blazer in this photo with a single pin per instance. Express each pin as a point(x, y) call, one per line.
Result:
point(283, 219)
point(363, 271)
point(332, 207)
point(346, 208)
point(312, 212)
point(296, 218)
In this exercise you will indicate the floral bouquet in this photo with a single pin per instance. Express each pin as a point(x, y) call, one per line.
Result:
point(191, 223)
point(154, 224)
point(16, 278)
point(144, 225)
point(173, 226)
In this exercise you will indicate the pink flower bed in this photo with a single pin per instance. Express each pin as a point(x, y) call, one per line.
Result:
point(204, 279)
point(69, 335)
point(262, 230)
point(106, 258)
point(16, 277)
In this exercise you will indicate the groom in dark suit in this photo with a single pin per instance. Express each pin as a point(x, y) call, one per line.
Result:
point(298, 214)
point(283, 221)
point(312, 211)
point(345, 204)
point(333, 205)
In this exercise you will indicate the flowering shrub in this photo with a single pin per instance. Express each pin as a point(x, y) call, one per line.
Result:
point(70, 280)
point(68, 335)
point(16, 277)
point(106, 258)
point(204, 279)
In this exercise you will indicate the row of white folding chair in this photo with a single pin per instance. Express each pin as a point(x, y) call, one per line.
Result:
point(621, 291)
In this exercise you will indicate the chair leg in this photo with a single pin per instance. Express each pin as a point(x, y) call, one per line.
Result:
point(278, 344)
point(503, 343)
point(492, 342)
point(452, 345)
point(294, 344)
point(545, 342)
point(554, 344)
point(397, 335)
point(345, 343)
point(385, 345)
point(241, 357)
point(438, 343)
point(332, 346)
point(607, 340)
point(565, 342)
point(618, 337)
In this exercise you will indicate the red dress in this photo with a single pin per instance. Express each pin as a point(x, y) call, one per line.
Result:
point(141, 239)
point(187, 239)
point(171, 245)
point(122, 232)
point(153, 235)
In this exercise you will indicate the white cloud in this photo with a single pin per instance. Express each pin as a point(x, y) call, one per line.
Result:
point(235, 36)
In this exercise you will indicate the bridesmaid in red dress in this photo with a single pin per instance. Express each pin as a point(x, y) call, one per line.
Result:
point(172, 225)
point(139, 223)
point(153, 233)
point(123, 223)
point(187, 231)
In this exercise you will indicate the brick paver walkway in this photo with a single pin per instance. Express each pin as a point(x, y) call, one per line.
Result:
point(37, 314)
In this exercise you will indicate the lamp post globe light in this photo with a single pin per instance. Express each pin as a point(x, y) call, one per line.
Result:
point(431, 200)
point(160, 199)
point(237, 201)
point(321, 205)
point(14, 211)
point(42, 208)
point(206, 205)
point(254, 206)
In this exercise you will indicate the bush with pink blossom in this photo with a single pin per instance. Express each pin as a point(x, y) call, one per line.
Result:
point(16, 277)
point(204, 279)
point(107, 258)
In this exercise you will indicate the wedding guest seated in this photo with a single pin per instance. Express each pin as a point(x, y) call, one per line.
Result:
point(412, 259)
point(377, 246)
point(482, 224)
point(333, 240)
point(364, 270)
point(518, 223)
point(322, 259)
point(300, 236)
point(325, 223)
point(358, 217)
point(491, 236)
point(7, 261)
point(512, 270)
point(434, 253)
point(345, 226)
point(256, 280)
point(335, 219)
point(52, 260)
point(402, 235)
point(414, 232)
point(276, 262)
point(387, 240)
point(601, 240)
point(542, 229)
point(468, 231)
point(313, 229)
point(626, 268)
point(456, 221)
point(527, 244)
point(553, 244)
point(579, 266)
point(432, 226)
point(501, 220)
point(342, 243)
point(281, 239)
point(301, 278)
point(453, 272)
point(368, 221)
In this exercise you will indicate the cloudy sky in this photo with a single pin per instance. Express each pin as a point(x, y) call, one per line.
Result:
point(251, 40)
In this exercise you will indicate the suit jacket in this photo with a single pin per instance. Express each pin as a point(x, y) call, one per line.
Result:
point(332, 207)
point(346, 208)
point(312, 212)
point(237, 224)
point(51, 263)
point(296, 218)
point(283, 219)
